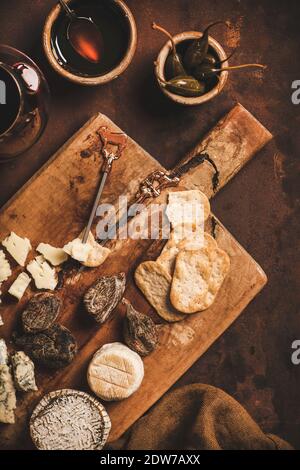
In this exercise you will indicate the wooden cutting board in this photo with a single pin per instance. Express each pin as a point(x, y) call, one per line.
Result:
point(53, 208)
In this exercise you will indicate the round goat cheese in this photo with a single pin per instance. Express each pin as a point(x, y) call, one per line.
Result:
point(115, 372)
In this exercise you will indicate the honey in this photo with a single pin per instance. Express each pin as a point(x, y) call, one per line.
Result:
point(98, 50)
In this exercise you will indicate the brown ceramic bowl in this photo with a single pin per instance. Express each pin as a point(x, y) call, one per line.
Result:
point(161, 62)
point(87, 80)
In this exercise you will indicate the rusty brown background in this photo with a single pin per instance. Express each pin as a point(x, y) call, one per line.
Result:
point(260, 206)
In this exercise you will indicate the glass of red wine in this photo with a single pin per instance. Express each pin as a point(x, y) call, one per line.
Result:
point(24, 103)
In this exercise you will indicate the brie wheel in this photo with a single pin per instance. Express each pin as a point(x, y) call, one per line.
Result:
point(17, 247)
point(115, 372)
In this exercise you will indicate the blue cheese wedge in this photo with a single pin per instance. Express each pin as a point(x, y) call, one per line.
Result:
point(5, 271)
point(56, 256)
point(18, 288)
point(8, 400)
point(23, 371)
point(17, 247)
point(44, 276)
point(3, 353)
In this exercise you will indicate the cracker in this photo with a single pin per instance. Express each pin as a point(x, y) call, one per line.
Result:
point(197, 278)
point(190, 280)
point(220, 269)
point(182, 206)
point(155, 283)
point(172, 248)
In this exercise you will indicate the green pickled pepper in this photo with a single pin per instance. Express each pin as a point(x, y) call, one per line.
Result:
point(198, 49)
point(185, 86)
point(174, 65)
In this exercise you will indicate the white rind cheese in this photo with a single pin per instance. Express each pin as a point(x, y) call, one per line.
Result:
point(23, 370)
point(5, 271)
point(56, 256)
point(8, 400)
point(17, 247)
point(69, 420)
point(18, 288)
point(115, 372)
point(44, 276)
point(90, 254)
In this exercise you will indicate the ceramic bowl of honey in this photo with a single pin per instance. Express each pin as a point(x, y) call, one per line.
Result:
point(182, 41)
point(92, 61)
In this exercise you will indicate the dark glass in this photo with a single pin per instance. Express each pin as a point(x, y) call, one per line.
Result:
point(113, 25)
point(24, 103)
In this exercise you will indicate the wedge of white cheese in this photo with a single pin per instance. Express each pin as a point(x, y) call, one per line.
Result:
point(90, 254)
point(17, 247)
point(43, 274)
point(18, 288)
point(56, 256)
point(5, 271)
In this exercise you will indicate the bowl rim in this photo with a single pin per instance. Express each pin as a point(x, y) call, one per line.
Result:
point(95, 80)
point(11, 72)
point(160, 68)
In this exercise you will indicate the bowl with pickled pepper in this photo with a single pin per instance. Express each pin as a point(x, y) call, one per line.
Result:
point(192, 67)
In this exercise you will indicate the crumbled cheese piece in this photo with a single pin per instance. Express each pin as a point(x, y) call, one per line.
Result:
point(90, 254)
point(17, 247)
point(18, 288)
point(44, 276)
point(5, 270)
point(1, 320)
point(56, 256)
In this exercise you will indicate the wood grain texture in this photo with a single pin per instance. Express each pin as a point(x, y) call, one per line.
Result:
point(231, 144)
point(53, 207)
